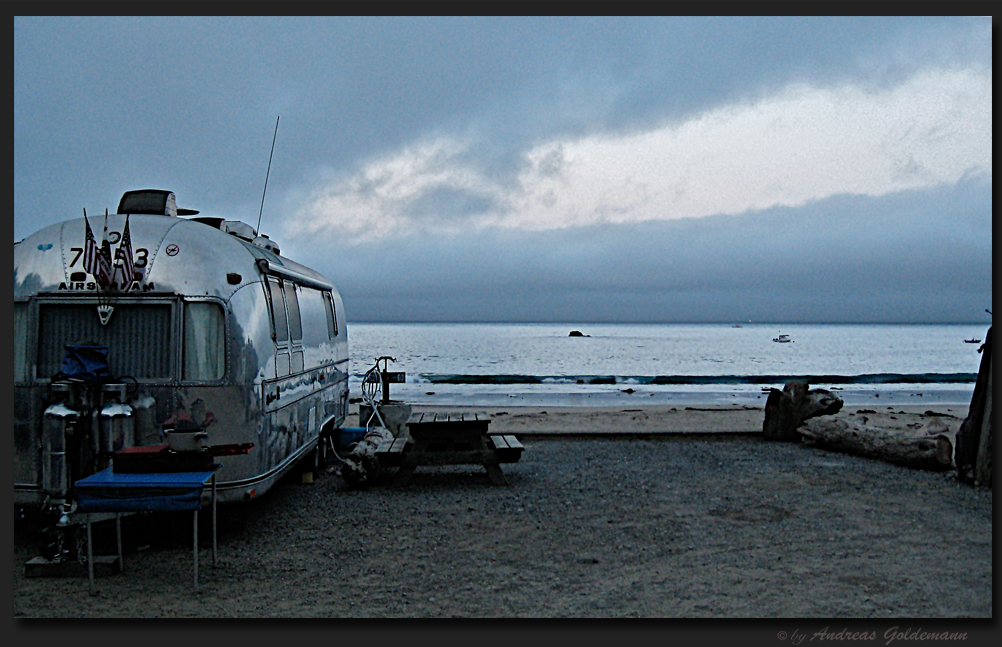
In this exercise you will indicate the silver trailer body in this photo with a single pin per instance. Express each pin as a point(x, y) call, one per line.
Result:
point(219, 332)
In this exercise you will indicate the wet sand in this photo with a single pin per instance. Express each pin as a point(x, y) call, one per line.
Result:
point(695, 419)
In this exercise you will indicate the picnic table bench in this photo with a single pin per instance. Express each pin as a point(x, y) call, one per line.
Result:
point(449, 439)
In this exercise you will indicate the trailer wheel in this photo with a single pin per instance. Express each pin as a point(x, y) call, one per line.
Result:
point(320, 454)
point(316, 461)
point(325, 447)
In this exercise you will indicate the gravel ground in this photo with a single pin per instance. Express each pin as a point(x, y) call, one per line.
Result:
point(589, 528)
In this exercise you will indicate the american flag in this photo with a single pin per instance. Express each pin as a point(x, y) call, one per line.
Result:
point(124, 252)
point(93, 261)
point(106, 245)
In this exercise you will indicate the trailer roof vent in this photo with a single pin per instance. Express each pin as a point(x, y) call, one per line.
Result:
point(213, 221)
point(155, 202)
point(238, 229)
point(264, 242)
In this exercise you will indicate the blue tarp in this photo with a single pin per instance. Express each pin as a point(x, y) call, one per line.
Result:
point(85, 362)
point(108, 491)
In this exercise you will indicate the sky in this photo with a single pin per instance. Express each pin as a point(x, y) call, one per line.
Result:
point(544, 169)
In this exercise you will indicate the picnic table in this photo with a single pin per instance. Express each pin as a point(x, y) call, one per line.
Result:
point(109, 491)
point(449, 439)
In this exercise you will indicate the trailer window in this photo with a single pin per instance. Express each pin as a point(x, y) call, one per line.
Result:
point(280, 325)
point(138, 337)
point(204, 343)
point(281, 364)
point(314, 316)
point(292, 305)
point(331, 316)
point(20, 342)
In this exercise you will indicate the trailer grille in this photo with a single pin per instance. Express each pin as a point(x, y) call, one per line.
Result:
point(138, 337)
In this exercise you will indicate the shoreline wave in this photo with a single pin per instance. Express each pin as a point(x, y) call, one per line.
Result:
point(694, 380)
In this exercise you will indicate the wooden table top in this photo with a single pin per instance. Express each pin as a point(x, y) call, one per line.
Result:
point(447, 418)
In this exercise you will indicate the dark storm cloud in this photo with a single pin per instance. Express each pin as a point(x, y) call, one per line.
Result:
point(846, 259)
point(189, 104)
point(444, 203)
point(174, 101)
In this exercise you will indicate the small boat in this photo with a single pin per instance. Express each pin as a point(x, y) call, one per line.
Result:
point(972, 341)
point(782, 339)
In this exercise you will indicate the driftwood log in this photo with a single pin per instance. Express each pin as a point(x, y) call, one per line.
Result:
point(929, 447)
point(786, 410)
point(974, 440)
point(360, 468)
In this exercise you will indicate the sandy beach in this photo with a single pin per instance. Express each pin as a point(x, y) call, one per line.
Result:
point(707, 419)
point(649, 512)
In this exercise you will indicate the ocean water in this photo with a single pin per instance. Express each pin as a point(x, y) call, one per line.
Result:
point(622, 364)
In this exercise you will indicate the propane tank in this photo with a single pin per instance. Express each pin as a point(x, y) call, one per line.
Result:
point(145, 426)
point(117, 423)
point(58, 421)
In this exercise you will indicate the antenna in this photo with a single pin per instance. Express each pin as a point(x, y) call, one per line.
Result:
point(257, 229)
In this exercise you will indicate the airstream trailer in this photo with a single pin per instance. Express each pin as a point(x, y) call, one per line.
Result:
point(207, 328)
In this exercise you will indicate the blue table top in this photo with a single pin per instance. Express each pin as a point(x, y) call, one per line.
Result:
point(108, 491)
point(108, 477)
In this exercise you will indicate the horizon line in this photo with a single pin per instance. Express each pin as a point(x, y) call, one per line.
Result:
point(666, 323)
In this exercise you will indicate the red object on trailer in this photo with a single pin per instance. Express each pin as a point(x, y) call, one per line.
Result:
point(230, 450)
point(155, 459)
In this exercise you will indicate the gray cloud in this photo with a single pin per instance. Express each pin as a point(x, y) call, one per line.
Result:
point(848, 258)
point(450, 203)
point(189, 104)
point(171, 101)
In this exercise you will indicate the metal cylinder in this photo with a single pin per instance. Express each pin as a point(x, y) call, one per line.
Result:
point(60, 392)
point(58, 421)
point(113, 393)
point(146, 428)
point(117, 424)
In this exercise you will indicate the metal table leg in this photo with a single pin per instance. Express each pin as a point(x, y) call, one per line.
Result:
point(118, 533)
point(90, 557)
point(194, 549)
point(213, 521)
